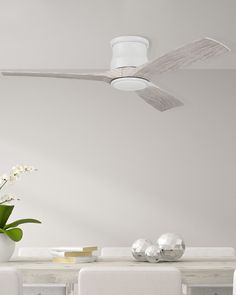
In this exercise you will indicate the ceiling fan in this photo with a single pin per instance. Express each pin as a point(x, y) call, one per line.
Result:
point(131, 70)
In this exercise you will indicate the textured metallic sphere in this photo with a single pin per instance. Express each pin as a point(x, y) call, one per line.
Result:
point(153, 253)
point(172, 246)
point(139, 247)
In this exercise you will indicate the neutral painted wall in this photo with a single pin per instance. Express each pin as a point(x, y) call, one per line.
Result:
point(113, 169)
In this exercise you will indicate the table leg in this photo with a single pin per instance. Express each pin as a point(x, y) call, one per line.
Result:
point(69, 289)
point(186, 290)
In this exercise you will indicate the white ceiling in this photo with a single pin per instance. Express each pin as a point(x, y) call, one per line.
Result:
point(76, 33)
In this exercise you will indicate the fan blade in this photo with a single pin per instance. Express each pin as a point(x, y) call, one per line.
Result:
point(105, 76)
point(181, 57)
point(158, 98)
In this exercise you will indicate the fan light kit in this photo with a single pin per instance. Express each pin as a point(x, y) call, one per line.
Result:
point(129, 84)
point(131, 71)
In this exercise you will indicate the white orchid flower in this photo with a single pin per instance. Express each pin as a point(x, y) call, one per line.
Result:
point(15, 173)
point(7, 199)
point(13, 178)
point(30, 168)
point(18, 170)
point(21, 168)
point(4, 177)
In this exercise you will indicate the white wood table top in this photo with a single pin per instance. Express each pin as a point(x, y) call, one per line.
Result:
point(197, 271)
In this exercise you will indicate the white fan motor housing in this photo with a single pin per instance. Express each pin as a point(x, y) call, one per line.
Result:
point(129, 51)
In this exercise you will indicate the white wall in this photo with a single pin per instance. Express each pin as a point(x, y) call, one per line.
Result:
point(111, 168)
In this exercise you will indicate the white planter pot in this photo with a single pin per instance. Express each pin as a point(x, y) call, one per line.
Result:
point(7, 247)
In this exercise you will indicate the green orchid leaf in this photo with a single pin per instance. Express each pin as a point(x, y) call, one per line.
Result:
point(5, 212)
point(14, 234)
point(2, 231)
point(21, 221)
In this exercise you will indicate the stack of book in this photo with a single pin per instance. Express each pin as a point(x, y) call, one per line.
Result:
point(74, 254)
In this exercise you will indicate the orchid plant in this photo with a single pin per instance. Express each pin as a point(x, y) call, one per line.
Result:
point(11, 229)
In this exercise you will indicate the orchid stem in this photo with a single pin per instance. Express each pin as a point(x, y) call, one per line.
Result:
point(3, 184)
point(6, 201)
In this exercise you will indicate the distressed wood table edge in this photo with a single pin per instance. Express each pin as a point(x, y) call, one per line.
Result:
point(210, 271)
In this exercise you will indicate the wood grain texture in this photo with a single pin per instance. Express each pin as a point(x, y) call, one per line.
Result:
point(200, 271)
point(106, 76)
point(182, 57)
point(158, 98)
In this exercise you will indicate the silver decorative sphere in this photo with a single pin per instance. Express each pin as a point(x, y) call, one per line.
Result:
point(172, 246)
point(153, 253)
point(139, 247)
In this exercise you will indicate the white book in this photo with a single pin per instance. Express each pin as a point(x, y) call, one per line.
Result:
point(75, 249)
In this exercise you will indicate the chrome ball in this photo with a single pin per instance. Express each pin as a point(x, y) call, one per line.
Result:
point(153, 253)
point(172, 246)
point(139, 247)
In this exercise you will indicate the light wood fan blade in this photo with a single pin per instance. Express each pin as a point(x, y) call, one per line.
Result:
point(181, 57)
point(105, 76)
point(158, 98)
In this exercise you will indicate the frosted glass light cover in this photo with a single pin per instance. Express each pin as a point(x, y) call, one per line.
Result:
point(129, 84)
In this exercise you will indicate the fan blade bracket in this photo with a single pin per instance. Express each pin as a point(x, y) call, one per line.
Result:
point(123, 72)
